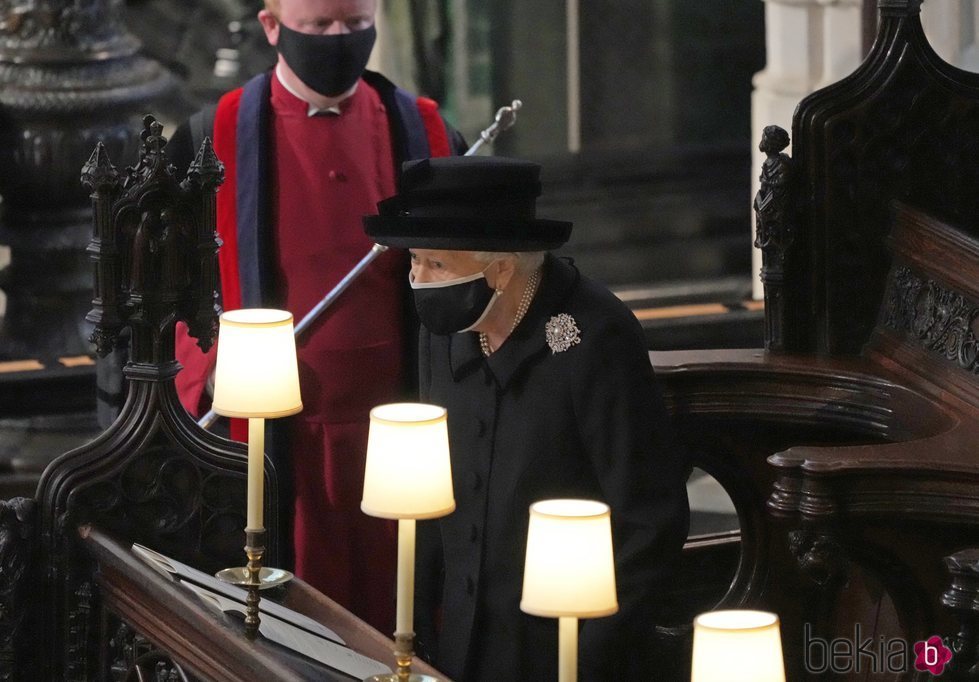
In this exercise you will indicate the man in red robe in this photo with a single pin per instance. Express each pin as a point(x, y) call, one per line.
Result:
point(310, 148)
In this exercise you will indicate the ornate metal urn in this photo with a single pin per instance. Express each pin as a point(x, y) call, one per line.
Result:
point(70, 76)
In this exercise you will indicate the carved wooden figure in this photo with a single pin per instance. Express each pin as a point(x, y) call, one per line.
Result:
point(774, 230)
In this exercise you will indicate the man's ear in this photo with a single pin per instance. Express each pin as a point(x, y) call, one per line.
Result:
point(270, 24)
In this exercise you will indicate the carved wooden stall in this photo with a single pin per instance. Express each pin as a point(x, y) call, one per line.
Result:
point(849, 444)
point(75, 602)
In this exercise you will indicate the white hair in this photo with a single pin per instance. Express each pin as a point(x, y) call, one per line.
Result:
point(525, 262)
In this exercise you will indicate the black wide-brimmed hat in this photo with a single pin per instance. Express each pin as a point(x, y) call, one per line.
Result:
point(467, 203)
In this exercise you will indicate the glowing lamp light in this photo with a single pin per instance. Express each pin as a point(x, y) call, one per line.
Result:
point(737, 646)
point(569, 572)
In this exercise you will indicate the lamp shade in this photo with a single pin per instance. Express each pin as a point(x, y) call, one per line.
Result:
point(737, 646)
point(256, 373)
point(569, 568)
point(408, 474)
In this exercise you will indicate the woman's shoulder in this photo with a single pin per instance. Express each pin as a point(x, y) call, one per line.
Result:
point(596, 317)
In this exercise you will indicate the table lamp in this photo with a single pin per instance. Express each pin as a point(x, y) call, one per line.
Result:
point(569, 571)
point(407, 477)
point(737, 646)
point(256, 377)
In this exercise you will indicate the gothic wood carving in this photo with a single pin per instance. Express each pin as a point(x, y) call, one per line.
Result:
point(941, 320)
point(820, 556)
point(154, 476)
point(154, 246)
point(136, 659)
point(17, 547)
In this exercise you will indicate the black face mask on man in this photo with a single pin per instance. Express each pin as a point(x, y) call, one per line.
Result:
point(327, 64)
point(456, 305)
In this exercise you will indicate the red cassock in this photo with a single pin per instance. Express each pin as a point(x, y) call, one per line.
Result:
point(322, 175)
point(327, 173)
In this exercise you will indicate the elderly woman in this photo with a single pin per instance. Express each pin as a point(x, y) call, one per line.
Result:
point(550, 394)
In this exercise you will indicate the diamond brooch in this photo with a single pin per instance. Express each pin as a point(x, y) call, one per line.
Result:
point(561, 333)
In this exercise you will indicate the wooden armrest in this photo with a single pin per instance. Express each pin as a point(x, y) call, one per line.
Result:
point(176, 621)
point(933, 478)
point(212, 646)
point(854, 394)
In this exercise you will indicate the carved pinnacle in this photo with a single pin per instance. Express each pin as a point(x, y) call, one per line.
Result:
point(206, 170)
point(98, 173)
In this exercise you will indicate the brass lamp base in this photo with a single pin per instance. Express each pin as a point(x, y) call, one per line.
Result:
point(404, 644)
point(253, 578)
point(267, 577)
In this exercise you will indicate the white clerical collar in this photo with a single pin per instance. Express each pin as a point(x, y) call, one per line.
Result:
point(313, 110)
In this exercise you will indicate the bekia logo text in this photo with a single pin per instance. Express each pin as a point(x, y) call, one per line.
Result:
point(866, 654)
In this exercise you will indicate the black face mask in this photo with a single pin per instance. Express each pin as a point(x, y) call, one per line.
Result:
point(327, 64)
point(456, 305)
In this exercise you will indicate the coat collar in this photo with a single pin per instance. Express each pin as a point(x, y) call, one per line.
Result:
point(528, 340)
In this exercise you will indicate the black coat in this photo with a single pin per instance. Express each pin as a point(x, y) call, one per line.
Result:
point(528, 424)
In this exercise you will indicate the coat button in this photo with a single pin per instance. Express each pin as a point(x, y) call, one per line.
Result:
point(475, 481)
point(473, 533)
point(332, 175)
point(470, 585)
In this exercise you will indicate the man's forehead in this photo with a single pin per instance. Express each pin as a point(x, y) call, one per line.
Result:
point(329, 8)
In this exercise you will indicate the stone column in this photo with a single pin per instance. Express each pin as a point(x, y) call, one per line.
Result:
point(842, 39)
point(393, 53)
point(952, 27)
point(970, 55)
point(810, 44)
point(471, 68)
point(70, 75)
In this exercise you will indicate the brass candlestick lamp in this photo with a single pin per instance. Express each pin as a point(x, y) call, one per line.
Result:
point(569, 571)
point(256, 378)
point(408, 477)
